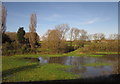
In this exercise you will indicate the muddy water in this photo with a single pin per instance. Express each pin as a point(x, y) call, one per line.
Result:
point(85, 71)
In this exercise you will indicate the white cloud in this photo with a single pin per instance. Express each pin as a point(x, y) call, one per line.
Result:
point(92, 21)
point(53, 17)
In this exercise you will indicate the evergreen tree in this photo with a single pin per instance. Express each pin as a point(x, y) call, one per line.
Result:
point(20, 35)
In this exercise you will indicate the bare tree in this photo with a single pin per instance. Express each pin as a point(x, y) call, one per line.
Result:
point(95, 37)
point(32, 29)
point(71, 34)
point(83, 35)
point(89, 37)
point(3, 18)
point(77, 37)
point(99, 36)
point(113, 37)
point(76, 34)
point(63, 29)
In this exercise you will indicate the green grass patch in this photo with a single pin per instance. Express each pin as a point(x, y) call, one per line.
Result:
point(17, 70)
point(107, 52)
point(97, 64)
point(79, 52)
point(14, 62)
point(96, 55)
point(27, 55)
point(52, 55)
point(38, 55)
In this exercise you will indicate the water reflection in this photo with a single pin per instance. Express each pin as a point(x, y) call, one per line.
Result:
point(68, 60)
point(78, 62)
point(43, 60)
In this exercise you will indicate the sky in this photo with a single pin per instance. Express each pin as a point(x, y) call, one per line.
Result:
point(94, 17)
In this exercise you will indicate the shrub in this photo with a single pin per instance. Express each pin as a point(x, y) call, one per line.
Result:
point(102, 47)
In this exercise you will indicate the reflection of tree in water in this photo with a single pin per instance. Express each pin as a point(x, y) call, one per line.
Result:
point(43, 60)
point(81, 60)
point(115, 68)
point(119, 64)
point(78, 62)
point(111, 58)
point(114, 60)
point(78, 69)
point(70, 60)
point(75, 61)
point(59, 60)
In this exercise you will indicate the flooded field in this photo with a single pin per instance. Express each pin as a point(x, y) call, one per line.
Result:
point(85, 66)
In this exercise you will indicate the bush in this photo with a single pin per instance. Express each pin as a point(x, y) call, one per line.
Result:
point(102, 47)
point(5, 38)
point(7, 48)
point(69, 48)
point(15, 48)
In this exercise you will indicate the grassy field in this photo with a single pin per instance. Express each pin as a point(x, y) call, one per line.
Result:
point(106, 52)
point(15, 69)
point(73, 53)
point(91, 54)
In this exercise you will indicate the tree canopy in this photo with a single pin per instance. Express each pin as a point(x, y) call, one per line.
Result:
point(20, 35)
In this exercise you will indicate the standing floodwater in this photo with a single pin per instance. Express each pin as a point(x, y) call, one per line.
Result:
point(85, 66)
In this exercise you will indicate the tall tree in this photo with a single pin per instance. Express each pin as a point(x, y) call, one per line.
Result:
point(3, 18)
point(3, 15)
point(20, 35)
point(32, 29)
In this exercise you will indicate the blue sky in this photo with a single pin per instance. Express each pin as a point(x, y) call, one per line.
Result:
point(94, 17)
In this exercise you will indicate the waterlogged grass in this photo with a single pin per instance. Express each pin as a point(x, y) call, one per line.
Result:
point(16, 70)
point(28, 55)
point(98, 64)
point(84, 54)
point(39, 55)
point(96, 55)
point(45, 72)
point(54, 55)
